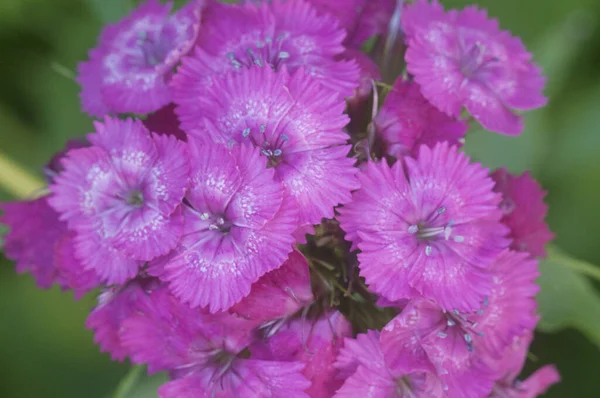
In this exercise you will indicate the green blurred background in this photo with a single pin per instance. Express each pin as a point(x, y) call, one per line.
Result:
point(45, 350)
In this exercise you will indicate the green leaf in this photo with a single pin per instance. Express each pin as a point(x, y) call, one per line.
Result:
point(567, 297)
point(136, 384)
point(109, 11)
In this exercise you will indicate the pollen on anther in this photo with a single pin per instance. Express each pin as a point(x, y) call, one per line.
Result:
point(441, 210)
point(246, 132)
point(263, 128)
point(428, 250)
point(413, 229)
point(204, 216)
point(277, 152)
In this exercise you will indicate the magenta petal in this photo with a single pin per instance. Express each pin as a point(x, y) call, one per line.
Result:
point(524, 211)
point(278, 293)
point(34, 231)
point(72, 272)
point(114, 306)
point(92, 249)
point(407, 120)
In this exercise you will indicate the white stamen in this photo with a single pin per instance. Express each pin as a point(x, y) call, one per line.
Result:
point(413, 229)
point(451, 322)
point(277, 152)
point(204, 216)
point(284, 55)
point(246, 132)
point(428, 250)
point(441, 210)
point(263, 127)
point(442, 335)
point(447, 232)
point(459, 239)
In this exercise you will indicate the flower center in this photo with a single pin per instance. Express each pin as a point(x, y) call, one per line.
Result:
point(135, 198)
point(154, 50)
point(271, 147)
point(460, 323)
point(217, 222)
point(475, 58)
point(268, 52)
point(429, 230)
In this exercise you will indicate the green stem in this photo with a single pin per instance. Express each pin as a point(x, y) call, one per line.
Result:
point(579, 266)
point(127, 384)
point(16, 180)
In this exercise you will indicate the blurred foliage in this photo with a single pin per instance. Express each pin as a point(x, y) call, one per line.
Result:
point(45, 350)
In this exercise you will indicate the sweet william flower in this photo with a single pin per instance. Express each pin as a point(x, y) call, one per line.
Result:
point(278, 294)
point(463, 59)
point(271, 34)
point(204, 352)
point(238, 225)
point(40, 244)
point(429, 228)
point(508, 385)
point(122, 196)
point(365, 373)
point(524, 211)
point(115, 304)
point(460, 346)
point(295, 123)
point(129, 70)
point(407, 120)
point(313, 342)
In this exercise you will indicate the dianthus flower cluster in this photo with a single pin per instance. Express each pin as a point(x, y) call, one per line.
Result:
point(266, 218)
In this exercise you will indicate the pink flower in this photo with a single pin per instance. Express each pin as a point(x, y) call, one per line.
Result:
point(296, 123)
point(72, 274)
point(511, 365)
point(41, 244)
point(202, 352)
point(34, 231)
point(122, 196)
point(524, 211)
point(407, 120)
point(361, 19)
point(278, 294)
point(274, 34)
point(130, 69)
point(462, 59)
point(456, 345)
point(114, 306)
point(429, 228)
point(238, 225)
point(315, 343)
point(361, 363)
